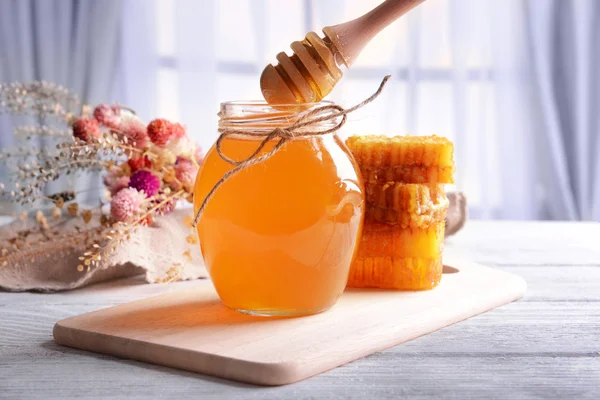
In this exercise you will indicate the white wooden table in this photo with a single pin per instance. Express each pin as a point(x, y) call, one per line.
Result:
point(545, 346)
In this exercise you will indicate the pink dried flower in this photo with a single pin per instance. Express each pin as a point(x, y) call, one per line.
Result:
point(108, 116)
point(125, 206)
point(178, 130)
point(185, 172)
point(86, 129)
point(145, 181)
point(115, 183)
point(134, 130)
point(161, 131)
point(140, 162)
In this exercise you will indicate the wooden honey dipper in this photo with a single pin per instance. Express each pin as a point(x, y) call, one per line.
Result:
point(313, 70)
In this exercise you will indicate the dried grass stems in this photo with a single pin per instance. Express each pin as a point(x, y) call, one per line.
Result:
point(18, 248)
point(40, 98)
point(32, 169)
point(47, 233)
point(29, 132)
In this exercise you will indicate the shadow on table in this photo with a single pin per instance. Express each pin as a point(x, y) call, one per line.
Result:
point(171, 317)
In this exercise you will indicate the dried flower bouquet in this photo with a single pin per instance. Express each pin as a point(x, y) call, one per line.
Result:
point(148, 170)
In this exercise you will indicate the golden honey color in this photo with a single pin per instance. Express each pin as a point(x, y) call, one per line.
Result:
point(278, 238)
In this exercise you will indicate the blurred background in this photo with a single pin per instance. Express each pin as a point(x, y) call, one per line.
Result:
point(514, 83)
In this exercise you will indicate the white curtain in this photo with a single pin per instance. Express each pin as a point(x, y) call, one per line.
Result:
point(514, 83)
point(563, 40)
point(72, 43)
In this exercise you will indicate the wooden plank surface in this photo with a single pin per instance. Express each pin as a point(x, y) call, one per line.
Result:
point(191, 330)
point(544, 346)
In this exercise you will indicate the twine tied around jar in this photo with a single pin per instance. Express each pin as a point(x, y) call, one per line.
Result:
point(310, 118)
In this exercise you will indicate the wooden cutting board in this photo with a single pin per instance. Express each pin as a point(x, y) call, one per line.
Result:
point(191, 330)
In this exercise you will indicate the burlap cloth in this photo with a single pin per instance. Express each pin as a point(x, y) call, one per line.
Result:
point(157, 252)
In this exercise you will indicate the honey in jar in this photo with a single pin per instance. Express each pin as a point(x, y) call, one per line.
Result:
point(278, 237)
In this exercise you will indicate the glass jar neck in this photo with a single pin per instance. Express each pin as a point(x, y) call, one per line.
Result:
point(261, 116)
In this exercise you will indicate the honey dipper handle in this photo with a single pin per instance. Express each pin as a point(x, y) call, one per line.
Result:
point(351, 37)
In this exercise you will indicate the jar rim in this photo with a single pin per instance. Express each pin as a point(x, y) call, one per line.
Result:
point(263, 103)
point(260, 115)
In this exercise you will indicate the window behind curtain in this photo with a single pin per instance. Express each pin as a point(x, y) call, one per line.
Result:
point(438, 56)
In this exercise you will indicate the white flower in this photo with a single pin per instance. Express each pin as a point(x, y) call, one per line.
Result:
point(182, 147)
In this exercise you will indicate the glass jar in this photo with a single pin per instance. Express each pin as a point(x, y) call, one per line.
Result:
point(278, 237)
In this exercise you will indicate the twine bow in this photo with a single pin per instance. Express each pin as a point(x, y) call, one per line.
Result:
point(310, 118)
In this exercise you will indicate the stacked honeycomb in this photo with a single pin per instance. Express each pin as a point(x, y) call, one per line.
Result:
point(403, 234)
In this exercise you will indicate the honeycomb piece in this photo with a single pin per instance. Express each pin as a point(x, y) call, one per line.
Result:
point(398, 258)
point(407, 159)
point(400, 273)
point(405, 204)
point(409, 174)
point(391, 240)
